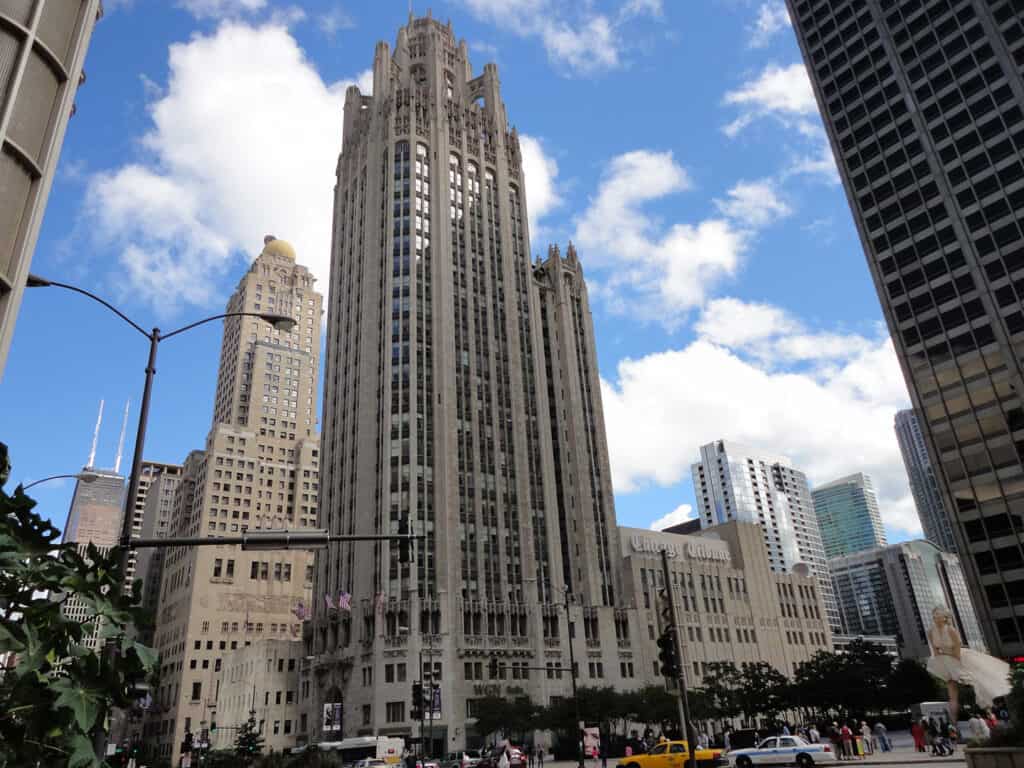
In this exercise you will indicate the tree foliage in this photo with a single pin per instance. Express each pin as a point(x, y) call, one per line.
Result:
point(513, 718)
point(55, 691)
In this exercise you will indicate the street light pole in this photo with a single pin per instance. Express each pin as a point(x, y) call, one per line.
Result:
point(281, 322)
point(85, 477)
point(572, 674)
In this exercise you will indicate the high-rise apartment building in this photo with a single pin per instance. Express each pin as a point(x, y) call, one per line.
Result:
point(161, 485)
point(923, 107)
point(734, 482)
point(42, 49)
point(924, 483)
point(259, 471)
point(848, 516)
point(893, 591)
point(461, 392)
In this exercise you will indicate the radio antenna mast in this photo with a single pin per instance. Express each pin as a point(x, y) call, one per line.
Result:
point(120, 443)
point(95, 438)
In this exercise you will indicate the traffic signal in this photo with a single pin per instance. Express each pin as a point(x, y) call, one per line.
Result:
point(667, 654)
point(213, 726)
point(492, 667)
point(416, 712)
point(404, 555)
point(666, 604)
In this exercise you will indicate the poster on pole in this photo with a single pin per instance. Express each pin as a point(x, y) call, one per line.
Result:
point(592, 742)
point(434, 710)
point(332, 717)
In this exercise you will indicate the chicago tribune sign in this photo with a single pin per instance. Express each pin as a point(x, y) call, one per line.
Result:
point(694, 550)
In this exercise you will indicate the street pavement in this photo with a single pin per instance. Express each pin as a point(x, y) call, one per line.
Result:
point(902, 754)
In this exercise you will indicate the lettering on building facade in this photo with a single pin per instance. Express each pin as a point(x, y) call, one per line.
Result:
point(693, 550)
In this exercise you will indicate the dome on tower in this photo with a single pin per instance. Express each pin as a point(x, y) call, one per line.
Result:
point(275, 247)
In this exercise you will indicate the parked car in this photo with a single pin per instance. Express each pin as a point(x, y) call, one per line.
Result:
point(517, 758)
point(370, 762)
point(782, 750)
point(673, 754)
point(468, 758)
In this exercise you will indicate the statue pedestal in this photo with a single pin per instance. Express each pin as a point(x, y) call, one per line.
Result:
point(994, 757)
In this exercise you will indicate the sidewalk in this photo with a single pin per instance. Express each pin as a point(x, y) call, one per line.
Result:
point(894, 758)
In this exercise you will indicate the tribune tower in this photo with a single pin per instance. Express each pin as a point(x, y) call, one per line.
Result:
point(461, 392)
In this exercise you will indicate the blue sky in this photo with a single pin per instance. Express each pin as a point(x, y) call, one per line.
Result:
point(677, 143)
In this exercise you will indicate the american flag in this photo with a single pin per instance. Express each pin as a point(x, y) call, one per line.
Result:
point(345, 601)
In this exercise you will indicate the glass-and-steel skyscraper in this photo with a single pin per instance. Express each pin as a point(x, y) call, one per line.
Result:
point(924, 483)
point(922, 102)
point(848, 516)
point(461, 393)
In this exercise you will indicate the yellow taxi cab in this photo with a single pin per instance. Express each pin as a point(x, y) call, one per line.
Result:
point(673, 754)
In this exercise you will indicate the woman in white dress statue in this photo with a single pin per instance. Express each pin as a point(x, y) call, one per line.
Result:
point(957, 665)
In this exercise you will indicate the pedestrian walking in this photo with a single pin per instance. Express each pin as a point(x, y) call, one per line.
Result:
point(917, 732)
point(977, 728)
point(933, 735)
point(865, 733)
point(837, 741)
point(990, 719)
point(604, 754)
point(726, 739)
point(846, 739)
point(882, 737)
point(813, 736)
point(540, 757)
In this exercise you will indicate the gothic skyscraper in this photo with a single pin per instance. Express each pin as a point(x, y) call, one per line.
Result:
point(461, 392)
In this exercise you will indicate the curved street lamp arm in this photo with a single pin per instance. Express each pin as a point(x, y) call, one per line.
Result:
point(43, 480)
point(190, 326)
point(105, 303)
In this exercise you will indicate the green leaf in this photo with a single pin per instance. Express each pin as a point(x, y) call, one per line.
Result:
point(8, 642)
point(82, 753)
point(148, 656)
point(82, 702)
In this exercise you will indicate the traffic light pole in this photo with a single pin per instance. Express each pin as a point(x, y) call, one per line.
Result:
point(683, 702)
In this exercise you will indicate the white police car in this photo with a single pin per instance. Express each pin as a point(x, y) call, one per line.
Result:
point(781, 750)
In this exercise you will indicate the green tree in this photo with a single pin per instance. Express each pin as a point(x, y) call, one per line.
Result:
point(761, 690)
point(910, 682)
point(59, 692)
point(720, 684)
point(249, 744)
point(511, 717)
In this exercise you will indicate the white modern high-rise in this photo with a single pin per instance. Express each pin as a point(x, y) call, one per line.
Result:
point(924, 484)
point(734, 482)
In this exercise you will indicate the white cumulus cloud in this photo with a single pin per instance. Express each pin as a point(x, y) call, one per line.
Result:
point(541, 173)
point(203, 9)
point(754, 203)
point(831, 421)
point(661, 271)
point(680, 514)
point(783, 92)
point(772, 18)
point(243, 142)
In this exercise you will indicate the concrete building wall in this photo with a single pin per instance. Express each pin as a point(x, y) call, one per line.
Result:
point(42, 50)
point(922, 106)
point(438, 404)
point(259, 470)
point(733, 606)
point(262, 678)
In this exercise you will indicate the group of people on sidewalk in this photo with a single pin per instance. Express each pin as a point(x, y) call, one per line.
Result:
point(852, 741)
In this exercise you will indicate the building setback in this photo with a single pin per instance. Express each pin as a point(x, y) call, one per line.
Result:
point(44, 44)
point(161, 485)
point(259, 471)
point(461, 392)
point(922, 105)
point(893, 591)
point(733, 606)
point(733, 482)
point(847, 512)
point(924, 483)
point(262, 678)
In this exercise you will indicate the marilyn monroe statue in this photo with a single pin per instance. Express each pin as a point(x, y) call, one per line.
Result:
point(957, 666)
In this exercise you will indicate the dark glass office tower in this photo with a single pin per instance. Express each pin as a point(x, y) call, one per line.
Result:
point(922, 104)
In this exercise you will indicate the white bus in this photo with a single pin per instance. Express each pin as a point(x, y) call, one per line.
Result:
point(386, 748)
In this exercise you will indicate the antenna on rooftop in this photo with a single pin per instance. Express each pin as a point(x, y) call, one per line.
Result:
point(120, 443)
point(95, 437)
